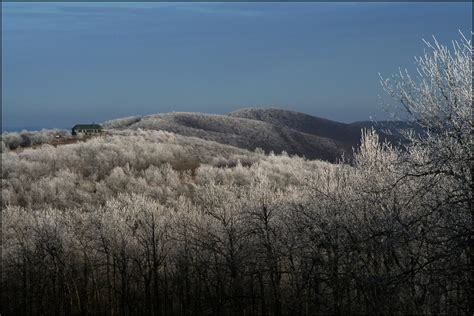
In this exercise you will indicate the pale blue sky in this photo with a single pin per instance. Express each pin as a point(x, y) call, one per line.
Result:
point(67, 63)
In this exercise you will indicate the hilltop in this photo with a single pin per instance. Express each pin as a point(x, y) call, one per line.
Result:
point(240, 132)
point(270, 129)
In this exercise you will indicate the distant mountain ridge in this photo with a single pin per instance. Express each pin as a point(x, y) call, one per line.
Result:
point(270, 129)
point(395, 128)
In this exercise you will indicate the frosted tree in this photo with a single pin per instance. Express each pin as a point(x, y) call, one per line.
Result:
point(440, 97)
point(440, 100)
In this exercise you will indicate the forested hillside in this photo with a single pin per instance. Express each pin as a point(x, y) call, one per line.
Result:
point(145, 222)
point(240, 132)
point(270, 129)
point(305, 123)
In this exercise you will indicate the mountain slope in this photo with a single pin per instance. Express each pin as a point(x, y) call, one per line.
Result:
point(270, 129)
point(345, 133)
point(241, 132)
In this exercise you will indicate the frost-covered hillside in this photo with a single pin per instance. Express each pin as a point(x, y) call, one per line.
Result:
point(241, 132)
point(305, 123)
point(270, 129)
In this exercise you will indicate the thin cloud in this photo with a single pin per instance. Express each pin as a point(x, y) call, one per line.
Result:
point(93, 9)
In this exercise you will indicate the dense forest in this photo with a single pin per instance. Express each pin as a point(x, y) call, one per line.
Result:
point(143, 222)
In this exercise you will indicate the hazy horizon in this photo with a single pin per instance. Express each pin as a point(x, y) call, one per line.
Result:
point(68, 63)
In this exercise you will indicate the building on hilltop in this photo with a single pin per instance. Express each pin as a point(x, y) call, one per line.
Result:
point(86, 129)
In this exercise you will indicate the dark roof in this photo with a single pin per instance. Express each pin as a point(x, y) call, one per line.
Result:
point(87, 126)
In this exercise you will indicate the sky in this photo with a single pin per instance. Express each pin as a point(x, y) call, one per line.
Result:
point(68, 63)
